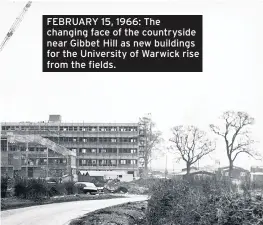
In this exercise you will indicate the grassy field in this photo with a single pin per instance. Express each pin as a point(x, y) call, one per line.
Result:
point(14, 202)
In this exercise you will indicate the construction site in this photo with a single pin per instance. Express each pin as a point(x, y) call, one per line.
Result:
point(58, 149)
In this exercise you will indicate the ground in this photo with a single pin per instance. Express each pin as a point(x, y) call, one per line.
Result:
point(125, 214)
point(14, 202)
point(60, 213)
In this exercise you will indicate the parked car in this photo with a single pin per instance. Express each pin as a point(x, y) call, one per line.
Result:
point(101, 190)
point(87, 187)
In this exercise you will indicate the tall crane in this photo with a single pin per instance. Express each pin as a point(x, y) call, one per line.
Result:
point(15, 25)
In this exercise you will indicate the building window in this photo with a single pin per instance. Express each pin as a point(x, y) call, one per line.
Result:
point(83, 162)
point(102, 129)
point(226, 174)
point(123, 161)
point(133, 151)
point(75, 128)
point(113, 162)
point(133, 162)
point(103, 150)
point(94, 150)
point(114, 140)
point(103, 162)
point(92, 128)
point(92, 139)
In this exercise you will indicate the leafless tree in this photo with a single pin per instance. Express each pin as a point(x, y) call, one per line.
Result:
point(235, 133)
point(152, 138)
point(191, 144)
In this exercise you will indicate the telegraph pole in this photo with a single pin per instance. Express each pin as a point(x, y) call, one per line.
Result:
point(165, 172)
point(47, 164)
point(27, 160)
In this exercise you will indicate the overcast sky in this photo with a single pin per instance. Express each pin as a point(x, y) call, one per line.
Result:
point(232, 77)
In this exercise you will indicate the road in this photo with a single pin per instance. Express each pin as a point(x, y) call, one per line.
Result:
point(59, 213)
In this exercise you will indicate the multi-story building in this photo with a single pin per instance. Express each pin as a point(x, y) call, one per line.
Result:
point(98, 146)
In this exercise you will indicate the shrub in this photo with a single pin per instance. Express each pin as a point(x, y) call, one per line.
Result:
point(4, 184)
point(37, 189)
point(200, 202)
point(70, 188)
point(21, 188)
point(34, 189)
point(57, 189)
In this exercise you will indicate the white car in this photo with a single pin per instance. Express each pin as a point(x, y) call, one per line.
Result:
point(87, 187)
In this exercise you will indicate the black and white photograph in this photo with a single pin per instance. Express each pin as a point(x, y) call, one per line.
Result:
point(131, 112)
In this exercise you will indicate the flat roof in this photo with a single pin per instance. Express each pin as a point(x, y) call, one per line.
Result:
point(57, 123)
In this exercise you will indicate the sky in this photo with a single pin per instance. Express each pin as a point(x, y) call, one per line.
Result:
point(231, 78)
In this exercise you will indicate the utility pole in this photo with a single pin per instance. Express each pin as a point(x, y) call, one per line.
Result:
point(47, 164)
point(165, 172)
point(27, 160)
point(146, 147)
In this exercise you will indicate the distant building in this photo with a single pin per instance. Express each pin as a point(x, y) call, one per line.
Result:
point(97, 146)
point(256, 169)
point(87, 176)
point(238, 174)
point(257, 176)
point(195, 173)
point(156, 174)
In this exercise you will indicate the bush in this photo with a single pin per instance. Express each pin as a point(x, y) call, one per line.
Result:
point(70, 187)
point(34, 189)
point(4, 184)
point(37, 189)
point(21, 188)
point(200, 202)
point(57, 189)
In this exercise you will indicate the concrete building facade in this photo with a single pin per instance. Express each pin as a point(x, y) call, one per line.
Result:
point(97, 146)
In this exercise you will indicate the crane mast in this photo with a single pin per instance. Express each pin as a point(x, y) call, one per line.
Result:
point(15, 25)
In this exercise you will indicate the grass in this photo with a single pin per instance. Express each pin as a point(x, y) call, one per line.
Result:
point(14, 202)
point(124, 214)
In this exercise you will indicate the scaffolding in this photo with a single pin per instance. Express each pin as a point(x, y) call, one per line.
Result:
point(22, 156)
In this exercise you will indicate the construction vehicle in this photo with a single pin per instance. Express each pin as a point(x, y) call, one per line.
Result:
point(15, 25)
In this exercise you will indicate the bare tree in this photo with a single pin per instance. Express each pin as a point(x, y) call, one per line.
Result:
point(191, 144)
point(152, 138)
point(235, 133)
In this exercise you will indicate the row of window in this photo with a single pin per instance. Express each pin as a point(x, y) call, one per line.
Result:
point(22, 148)
point(76, 150)
point(39, 162)
point(71, 128)
point(93, 139)
point(105, 162)
point(105, 150)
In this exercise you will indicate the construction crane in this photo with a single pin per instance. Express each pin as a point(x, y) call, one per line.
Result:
point(15, 25)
